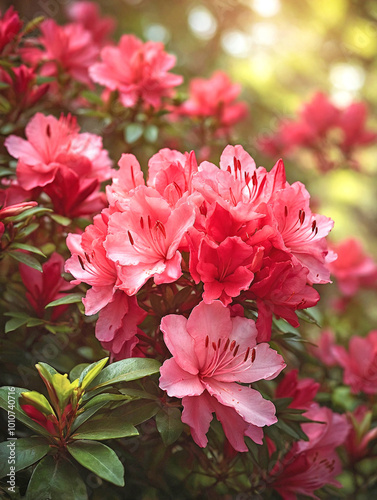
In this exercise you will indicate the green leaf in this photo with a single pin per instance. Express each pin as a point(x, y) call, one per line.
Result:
point(32, 25)
point(27, 230)
point(5, 106)
point(151, 133)
point(28, 248)
point(4, 85)
point(126, 370)
point(133, 132)
point(39, 401)
point(169, 424)
point(85, 415)
point(26, 259)
point(92, 97)
point(60, 219)
point(30, 212)
point(15, 323)
point(110, 428)
point(17, 410)
point(100, 459)
point(76, 371)
point(56, 479)
point(91, 372)
point(27, 451)
point(107, 398)
point(70, 298)
point(134, 412)
point(44, 79)
point(5, 171)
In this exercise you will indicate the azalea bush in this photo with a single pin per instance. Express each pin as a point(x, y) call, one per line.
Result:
point(177, 321)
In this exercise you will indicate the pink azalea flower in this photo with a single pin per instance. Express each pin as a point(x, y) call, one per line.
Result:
point(310, 465)
point(73, 196)
point(171, 174)
point(303, 391)
point(90, 264)
point(211, 352)
point(46, 286)
point(23, 91)
point(54, 144)
point(304, 233)
point(69, 48)
point(215, 97)
point(352, 123)
point(354, 268)
point(360, 363)
point(224, 269)
point(124, 181)
point(325, 348)
point(116, 327)
point(280, 288)
point(360, 434)
point(137, 70)
point(145, 237)
point(88, 14)
point(10, 25)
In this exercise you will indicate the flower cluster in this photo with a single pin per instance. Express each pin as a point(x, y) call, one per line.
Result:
point(322, 126)
point(67, 165)
point(193, 275)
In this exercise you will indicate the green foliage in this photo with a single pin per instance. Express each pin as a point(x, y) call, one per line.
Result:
point(100, 459)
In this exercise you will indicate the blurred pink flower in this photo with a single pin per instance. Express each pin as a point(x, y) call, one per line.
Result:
point(69, 48)
point(23, 90)
point(215, 97)
point(10, 25)
point(360, 434)
point(88, 14)
point(303, 391)
point(310, 465)
point(46, 286)
point(354, 268)
point(359, 363)
point(137, 70)
point(321, 127)
point(325, 348)
point(211, 352)
point(352, 122)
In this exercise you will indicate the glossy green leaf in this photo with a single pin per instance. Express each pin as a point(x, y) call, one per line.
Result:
point(28, 248)
point(100, 398)
point(126, 370)
point(70, 298)
point(30, 212)
point(110, 428)
point(86, 414)
point(25, 259)
point(76, 371)
point(17, 410)
point(15, 323)
point(39, 401)
point(169, 424)
point(91, 372)
point(100, 459)
point(56, 479)
point(27, 451)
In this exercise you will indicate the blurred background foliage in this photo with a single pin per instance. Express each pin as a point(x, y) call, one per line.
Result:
point(281, 52)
